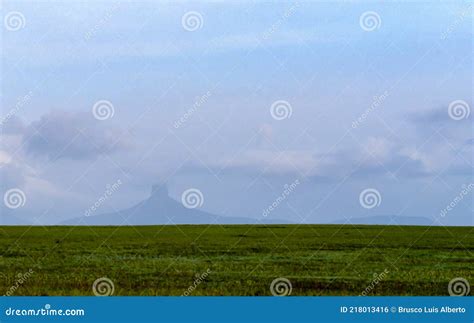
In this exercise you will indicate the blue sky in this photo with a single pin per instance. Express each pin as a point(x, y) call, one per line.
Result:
point(369, 108)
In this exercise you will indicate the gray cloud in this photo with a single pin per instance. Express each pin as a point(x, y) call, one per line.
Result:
point(430, 117)
point(379, 157)
point(437, 118)
point(72, 135)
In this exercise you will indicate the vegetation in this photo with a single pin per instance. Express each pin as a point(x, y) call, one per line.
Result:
point(235, 259)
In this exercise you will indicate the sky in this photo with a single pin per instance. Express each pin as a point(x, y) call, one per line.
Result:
point(305, 111)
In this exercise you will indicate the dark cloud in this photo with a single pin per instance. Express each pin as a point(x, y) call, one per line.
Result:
point(385, 160)
point(438, 117)
point(430, 117)
point(72, 135)
point(470, 142)
point(463, 170)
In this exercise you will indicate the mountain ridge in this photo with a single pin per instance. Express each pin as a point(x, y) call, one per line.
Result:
point(160, 208)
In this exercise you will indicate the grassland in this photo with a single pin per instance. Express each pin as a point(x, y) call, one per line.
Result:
point(240, 260)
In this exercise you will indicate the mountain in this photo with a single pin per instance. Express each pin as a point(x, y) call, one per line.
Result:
point(387, 220)
point(160, 208)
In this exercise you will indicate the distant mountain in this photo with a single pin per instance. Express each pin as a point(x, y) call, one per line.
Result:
point(387, 220)
point(159, 208)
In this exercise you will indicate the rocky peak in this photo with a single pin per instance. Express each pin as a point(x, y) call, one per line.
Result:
point(159, 192)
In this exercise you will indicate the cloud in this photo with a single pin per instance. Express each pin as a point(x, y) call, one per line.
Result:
point(72, 135)
point(398, 166)
point(430, 117)
point(438, 118)
point(264, 135)
point(375, 157)
point(69, 136)
point(13, 170)
point(11, 125)
point(444, 142)
point(12, 175)
point(268, 162)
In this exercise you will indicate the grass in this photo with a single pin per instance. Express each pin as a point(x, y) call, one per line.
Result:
point(239, 259)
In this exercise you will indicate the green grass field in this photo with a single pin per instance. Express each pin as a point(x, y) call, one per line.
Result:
point(239, 259)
